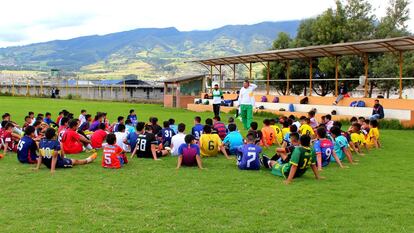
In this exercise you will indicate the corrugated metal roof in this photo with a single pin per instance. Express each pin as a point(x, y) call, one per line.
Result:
point(351, 48)
point(185, 78)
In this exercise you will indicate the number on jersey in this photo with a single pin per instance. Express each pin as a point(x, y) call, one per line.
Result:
point(142, 144)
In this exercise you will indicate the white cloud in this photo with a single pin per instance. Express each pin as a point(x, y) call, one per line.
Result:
point(26, 21)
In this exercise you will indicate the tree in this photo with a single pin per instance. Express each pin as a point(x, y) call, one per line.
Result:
point(278, 69)
point(393, 24)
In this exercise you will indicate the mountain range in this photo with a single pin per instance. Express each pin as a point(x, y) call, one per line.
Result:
point(147, 53)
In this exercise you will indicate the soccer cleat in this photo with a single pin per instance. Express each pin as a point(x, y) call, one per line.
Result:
point(1, 156)
point(91, 151)
point(92, 157)
point(265, 161)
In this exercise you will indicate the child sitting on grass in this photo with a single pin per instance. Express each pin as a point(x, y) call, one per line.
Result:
point(299, 163)
point(98, 137)
point(257, 133)
point(248, 155)
point(51, 156)
point(373, 135)
point(189, 153)
point(278, 132)
point(305, 128)
point(268, 133)
point(340, 145)
point(113, 155)
point(211, 144)
point(233, 140)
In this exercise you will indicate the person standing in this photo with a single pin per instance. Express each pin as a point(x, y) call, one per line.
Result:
point(217, 96)
point(377, 111)
point(342, 92)
point(246, 102)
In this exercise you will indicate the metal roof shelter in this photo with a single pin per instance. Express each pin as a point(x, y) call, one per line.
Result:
point(361, 48)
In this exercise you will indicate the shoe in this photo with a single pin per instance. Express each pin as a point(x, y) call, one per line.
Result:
point(265, 161)
point(167, 148)
point(91, 151)
point(93, 156)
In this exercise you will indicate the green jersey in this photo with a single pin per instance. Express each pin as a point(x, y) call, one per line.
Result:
point(301, 157)
point(217, 94)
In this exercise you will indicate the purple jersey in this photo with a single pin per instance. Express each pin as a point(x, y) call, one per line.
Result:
point(189, 153)
point(248, 157)
point(325, 147)
point(166, 134)
point(197, 131)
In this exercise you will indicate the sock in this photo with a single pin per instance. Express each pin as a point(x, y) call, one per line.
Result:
point(88, 160)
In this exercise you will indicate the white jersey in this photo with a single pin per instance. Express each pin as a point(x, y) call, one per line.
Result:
point(246, 95)
point(120, 137)
point(176, 141)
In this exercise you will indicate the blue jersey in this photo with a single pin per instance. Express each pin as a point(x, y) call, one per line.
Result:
point(197, 131)
point(26, 150)
point(132, 140)
point(249, 157)
point(166, 134)
point(47, 148)
point(133, 119)
point(325, 147)
point(233, 140)
point(287, 138)
point(174, 128)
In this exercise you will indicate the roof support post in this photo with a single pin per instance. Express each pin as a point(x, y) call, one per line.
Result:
point(211, 79)
point(401, 72)
point(310, 77)
point(268, 79)
point(220, 77)
point(366, 75)
point(336, 75)
point(250, 71)
point(234, 72)
point(288, 78)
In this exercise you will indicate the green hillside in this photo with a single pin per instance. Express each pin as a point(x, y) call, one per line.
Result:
point(148, 53)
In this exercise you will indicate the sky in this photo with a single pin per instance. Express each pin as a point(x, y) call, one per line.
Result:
point(30, 21)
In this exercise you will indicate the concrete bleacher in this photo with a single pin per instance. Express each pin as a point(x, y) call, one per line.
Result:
point(399, 109)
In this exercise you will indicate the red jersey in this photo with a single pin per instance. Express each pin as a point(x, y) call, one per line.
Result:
point(58, 120)
point(61, 131)
point(97, 138)
point(112, 157)
point(71, 142)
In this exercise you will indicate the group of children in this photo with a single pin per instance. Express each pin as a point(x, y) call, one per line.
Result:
point(300, 143)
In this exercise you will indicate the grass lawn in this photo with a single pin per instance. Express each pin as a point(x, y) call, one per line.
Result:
point(151, 196)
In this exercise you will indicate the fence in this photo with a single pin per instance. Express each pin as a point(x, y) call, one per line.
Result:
point(132, 93)
point(265, 86)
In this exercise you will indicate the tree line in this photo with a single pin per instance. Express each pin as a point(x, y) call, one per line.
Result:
point(349, 21)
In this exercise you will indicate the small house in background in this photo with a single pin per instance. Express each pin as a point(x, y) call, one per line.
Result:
point(178, 92)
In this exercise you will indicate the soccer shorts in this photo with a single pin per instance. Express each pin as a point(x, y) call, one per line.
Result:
point(64, 163)
point(159, 154)
point(280, 170)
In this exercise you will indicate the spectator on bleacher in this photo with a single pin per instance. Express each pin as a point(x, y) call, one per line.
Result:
point(342, 92)
point(377, 111)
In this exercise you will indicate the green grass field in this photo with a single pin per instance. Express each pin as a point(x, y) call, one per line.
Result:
point(152, 196)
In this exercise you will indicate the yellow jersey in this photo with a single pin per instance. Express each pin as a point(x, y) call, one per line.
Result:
point(278, 134)
point(285, 131)
point(358, 138)
point(209, 145)
point(305, 129)
point(373, 132)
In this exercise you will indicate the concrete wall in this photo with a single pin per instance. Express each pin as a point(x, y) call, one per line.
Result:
point(131, 93)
